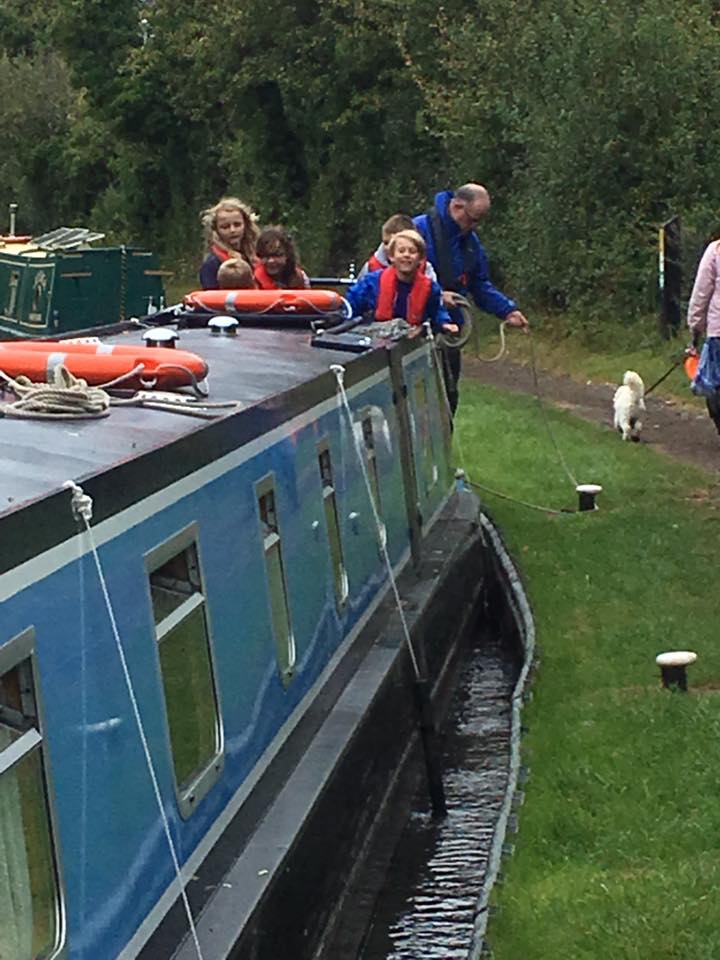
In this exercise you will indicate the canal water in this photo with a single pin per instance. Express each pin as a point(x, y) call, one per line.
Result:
point(426, 905)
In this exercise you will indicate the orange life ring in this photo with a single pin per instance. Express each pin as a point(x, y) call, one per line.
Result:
point(6, 238)
point(271, 302)
point(101, 363)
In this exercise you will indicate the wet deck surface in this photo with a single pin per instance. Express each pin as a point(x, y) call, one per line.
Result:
point(37, 456)
point(426, 906)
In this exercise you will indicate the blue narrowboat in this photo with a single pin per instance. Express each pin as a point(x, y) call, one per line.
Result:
point(205, 680)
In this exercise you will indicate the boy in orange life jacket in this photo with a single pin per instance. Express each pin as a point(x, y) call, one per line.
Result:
point(402, 289)
point(379, 260)
point(235, 274)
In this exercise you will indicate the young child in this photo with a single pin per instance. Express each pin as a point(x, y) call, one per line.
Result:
point(379, 260)
point(235, 274)
point(277, 265)
point(230, 232)
point(402, 289)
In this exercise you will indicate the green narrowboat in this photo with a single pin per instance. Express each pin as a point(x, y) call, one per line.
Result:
point(58, 283)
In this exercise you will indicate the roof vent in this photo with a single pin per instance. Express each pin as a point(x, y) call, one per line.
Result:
point(223, 326)
point(160, 337)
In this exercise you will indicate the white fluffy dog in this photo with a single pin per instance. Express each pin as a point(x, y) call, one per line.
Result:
point(629, 405)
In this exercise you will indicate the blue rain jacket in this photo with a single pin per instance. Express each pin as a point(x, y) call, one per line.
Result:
point(478, 284)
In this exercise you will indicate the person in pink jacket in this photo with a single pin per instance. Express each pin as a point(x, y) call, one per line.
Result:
point(704, 321)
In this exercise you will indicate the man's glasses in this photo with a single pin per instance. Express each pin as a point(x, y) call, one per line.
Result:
point(474, 219)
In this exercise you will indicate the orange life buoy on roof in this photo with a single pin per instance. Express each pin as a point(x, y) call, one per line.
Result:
point(270, 302)
point(100, 363)
point(4, 238)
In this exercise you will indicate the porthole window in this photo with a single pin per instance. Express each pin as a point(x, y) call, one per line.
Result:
point(276, 583)
point(30, 906)
point(340, 577)
point(186, 667)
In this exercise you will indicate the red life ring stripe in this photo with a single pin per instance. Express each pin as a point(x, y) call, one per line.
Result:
point(272, 302)
point(101, 363)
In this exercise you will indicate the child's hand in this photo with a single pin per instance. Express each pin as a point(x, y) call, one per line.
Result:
point(450, 328)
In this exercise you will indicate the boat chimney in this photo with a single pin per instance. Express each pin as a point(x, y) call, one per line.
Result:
point(223, 326)
point(160, 337)
point(13, 210)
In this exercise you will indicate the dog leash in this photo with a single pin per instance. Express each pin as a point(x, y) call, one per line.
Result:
point(665, 375)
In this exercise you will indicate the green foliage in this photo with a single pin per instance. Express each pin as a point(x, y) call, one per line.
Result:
point(590, 124)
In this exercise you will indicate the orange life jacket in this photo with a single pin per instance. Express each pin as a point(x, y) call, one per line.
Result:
point(416, 302)
point(266, 282)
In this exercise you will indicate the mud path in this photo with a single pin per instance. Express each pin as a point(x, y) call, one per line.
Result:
point(681, 430)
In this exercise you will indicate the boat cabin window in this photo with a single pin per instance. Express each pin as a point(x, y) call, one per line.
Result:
point(340, 577)
point(30, 907)
point(185, 654)
point(372, 470)
point(423, 432)
point(276, 583)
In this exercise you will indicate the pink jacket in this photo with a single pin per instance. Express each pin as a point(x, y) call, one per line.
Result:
point(704, 307)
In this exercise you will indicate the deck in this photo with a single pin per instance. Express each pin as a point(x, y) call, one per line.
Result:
point(37, 456)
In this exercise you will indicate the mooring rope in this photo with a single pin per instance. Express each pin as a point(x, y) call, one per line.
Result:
point(82, 508)
point(465, 474)
point(561, 458)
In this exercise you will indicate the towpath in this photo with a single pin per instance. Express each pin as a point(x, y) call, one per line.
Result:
point(680, 429)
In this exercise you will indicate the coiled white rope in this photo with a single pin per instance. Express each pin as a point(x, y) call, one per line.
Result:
point(66, 398)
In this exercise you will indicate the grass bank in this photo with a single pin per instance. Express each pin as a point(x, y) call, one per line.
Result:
point(617, 854)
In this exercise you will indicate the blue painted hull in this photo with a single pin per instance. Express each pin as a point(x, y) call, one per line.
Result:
point(117, 875)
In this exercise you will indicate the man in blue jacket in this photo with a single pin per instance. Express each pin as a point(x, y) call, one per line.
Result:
point(461, 264)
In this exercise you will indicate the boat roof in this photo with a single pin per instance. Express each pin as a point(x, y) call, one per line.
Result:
point(254, 369)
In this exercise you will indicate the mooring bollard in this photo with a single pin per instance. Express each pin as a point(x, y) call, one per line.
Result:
point(587, 493)
point(672, 668)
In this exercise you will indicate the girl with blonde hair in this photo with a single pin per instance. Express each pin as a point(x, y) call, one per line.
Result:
point(231, 232)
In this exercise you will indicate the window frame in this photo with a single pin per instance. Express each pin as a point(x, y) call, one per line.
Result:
point(365, 419)
point(20, 649)
point(340, 576)
point(427, 446)
point(187, 798)
point(263, 487)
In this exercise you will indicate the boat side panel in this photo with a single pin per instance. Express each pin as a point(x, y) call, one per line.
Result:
point(116, 862)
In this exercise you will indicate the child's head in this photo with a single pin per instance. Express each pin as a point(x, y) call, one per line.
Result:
point(235, 275)
point(406, 250)
point(394, 224)
point(231, 223)
point(276, 250)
